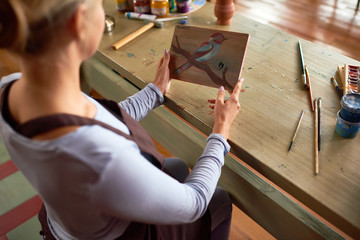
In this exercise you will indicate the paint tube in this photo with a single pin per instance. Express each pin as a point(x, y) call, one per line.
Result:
point(132, 15)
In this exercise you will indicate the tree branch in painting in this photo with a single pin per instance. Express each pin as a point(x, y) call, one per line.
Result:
point(221, 81)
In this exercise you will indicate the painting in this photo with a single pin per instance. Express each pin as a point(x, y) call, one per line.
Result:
point(206, 56)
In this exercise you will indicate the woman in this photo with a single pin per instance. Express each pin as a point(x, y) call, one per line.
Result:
point(96, 170)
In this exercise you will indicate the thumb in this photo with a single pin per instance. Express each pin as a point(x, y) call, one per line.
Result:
point(166, 56)
point(221, 95)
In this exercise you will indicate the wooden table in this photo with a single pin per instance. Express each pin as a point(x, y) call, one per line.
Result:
point(277, 188)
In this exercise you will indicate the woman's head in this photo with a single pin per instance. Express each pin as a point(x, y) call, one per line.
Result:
point(28, 26)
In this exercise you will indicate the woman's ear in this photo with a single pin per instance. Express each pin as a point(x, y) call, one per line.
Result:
point(76, 24)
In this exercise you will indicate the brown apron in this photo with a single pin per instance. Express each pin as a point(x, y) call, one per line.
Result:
point(198, 230)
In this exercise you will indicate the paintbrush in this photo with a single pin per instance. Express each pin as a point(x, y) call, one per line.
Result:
point(333, 80)
point(309, 87)
point(296, 130)
point(303, 75)
point(316, 138)
point(319, 123)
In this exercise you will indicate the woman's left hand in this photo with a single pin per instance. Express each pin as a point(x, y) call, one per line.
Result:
point(162, 76)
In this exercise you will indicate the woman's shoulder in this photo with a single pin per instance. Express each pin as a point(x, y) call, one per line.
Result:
point(95, 138)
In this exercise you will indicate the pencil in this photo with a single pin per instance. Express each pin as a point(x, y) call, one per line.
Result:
point(303, 75)
point(316, 139)
point(319, 123)
point(336, 87)
point(309, 84)
point(296, 130)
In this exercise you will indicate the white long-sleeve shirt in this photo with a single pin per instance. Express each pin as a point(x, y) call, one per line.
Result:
point(94, 182)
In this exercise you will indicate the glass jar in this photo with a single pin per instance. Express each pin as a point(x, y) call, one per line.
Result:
point(121, 5)
point(183, 6)
point(142, 6)
point(160, 8)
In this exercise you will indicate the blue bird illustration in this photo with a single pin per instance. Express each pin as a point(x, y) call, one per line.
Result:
point(204, 52)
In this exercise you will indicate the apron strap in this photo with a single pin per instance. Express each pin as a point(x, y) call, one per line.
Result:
point(44, 124)
point(47, 123)
point(139, 134)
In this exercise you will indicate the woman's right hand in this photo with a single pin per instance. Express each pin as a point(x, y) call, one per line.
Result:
point(226, 111)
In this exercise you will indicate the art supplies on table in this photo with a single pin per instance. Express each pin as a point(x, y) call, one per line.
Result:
point(296, 130)
point(207, 57)
point(194, 6)
point(350, 107)
point(137, 33)
point(122, 5)
point(346, 129)
point(141, 16)
point(183, 6)
point(152, 18)
point(350, 78)
point(303, 74)
point(309, 87)
point(306, 77)
point(336, 86)
point(160, 8)
point(319, 123)
point(172, 6)
point(316, 133)
point(348, 117)
point(141, 6)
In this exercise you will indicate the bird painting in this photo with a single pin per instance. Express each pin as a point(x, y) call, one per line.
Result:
point(204, 52)
point(209, 57)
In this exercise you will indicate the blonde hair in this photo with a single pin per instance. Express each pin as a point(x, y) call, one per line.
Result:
point(26, 26)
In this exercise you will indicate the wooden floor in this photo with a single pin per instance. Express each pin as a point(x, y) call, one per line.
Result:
point(333, 23)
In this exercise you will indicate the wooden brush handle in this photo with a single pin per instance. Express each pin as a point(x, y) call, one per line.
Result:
point(132, 36)
point(346, 80)
point(316, 125)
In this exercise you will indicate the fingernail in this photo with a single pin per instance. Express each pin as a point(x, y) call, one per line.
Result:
point(221, 89)
point(166, 52)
